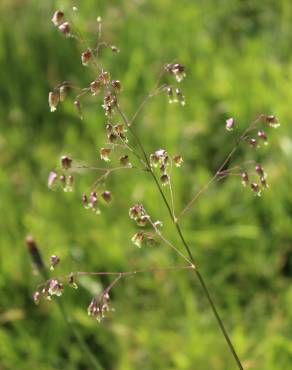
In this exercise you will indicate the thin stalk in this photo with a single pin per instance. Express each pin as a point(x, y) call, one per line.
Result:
point(170, 190)
point(121, 273)
point(200, 278)
point(185, 244)
point(210, 300)
point(134, 272)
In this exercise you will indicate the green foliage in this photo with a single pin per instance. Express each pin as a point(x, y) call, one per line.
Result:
point(238, 59)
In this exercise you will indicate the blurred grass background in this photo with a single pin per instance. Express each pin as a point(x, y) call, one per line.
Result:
point(238, 58)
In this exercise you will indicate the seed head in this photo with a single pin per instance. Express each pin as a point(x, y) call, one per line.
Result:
point(180, 96)
point(65, 28)
point(160, 157)
point(164, 179)
point(66, 162)
point(37, 297)
point(93, 202)
point(109, 103)
point(157, 224)
point(71, 281)
point(116, 85)
point(150, 241)
point(137, 211)
point(54, 261)
point(85, 201)
point(124, 160)
point(142, 221)
point(262, 135)
point(178, 70)
point(272, 121)
point(178, 160)
point(169, 92)
point(120, 130)
point(106, 195)
point(62, 179)
point(57, 17)
point(105, 153)
point(92, 308)
point(93, 198)
point(104, 77)
point(46, 294)
point(230, 122)
point(95, 87)
point(86, 56)
point(53, 177)
point(264, 182)
point(69, 184)
point(114, 49)
point(255, 188)
point(54, 98)
point(154, 160)
point(63, 90)
point(244, 178)
point(259, 169)
point(77, 105)
point(253, 142)
point(138, 239)
point(99, 309)
point(55, 288)
point(112, 138)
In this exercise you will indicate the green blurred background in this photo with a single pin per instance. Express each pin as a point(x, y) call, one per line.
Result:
point(239, 63)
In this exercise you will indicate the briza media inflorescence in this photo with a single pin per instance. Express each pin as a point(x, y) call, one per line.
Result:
point(125, 148)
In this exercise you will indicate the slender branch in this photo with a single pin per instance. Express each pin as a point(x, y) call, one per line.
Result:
point(156, 91)
point(170, 190)
point(241, 138)
point(134, 272)
point(109, 171)
point(103, 169)
point(120, 274)
point(205, 187)
point(167, 242)
point(99, 179)
point(127, 146)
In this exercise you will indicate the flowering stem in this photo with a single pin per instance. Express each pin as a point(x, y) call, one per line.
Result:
point(185, 244)
point(200, 277)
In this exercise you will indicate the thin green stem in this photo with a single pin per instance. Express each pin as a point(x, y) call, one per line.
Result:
point(185, 244)
point(200, 278)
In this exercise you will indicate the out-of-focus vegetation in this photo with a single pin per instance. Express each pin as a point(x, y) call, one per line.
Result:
point(238, 58)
